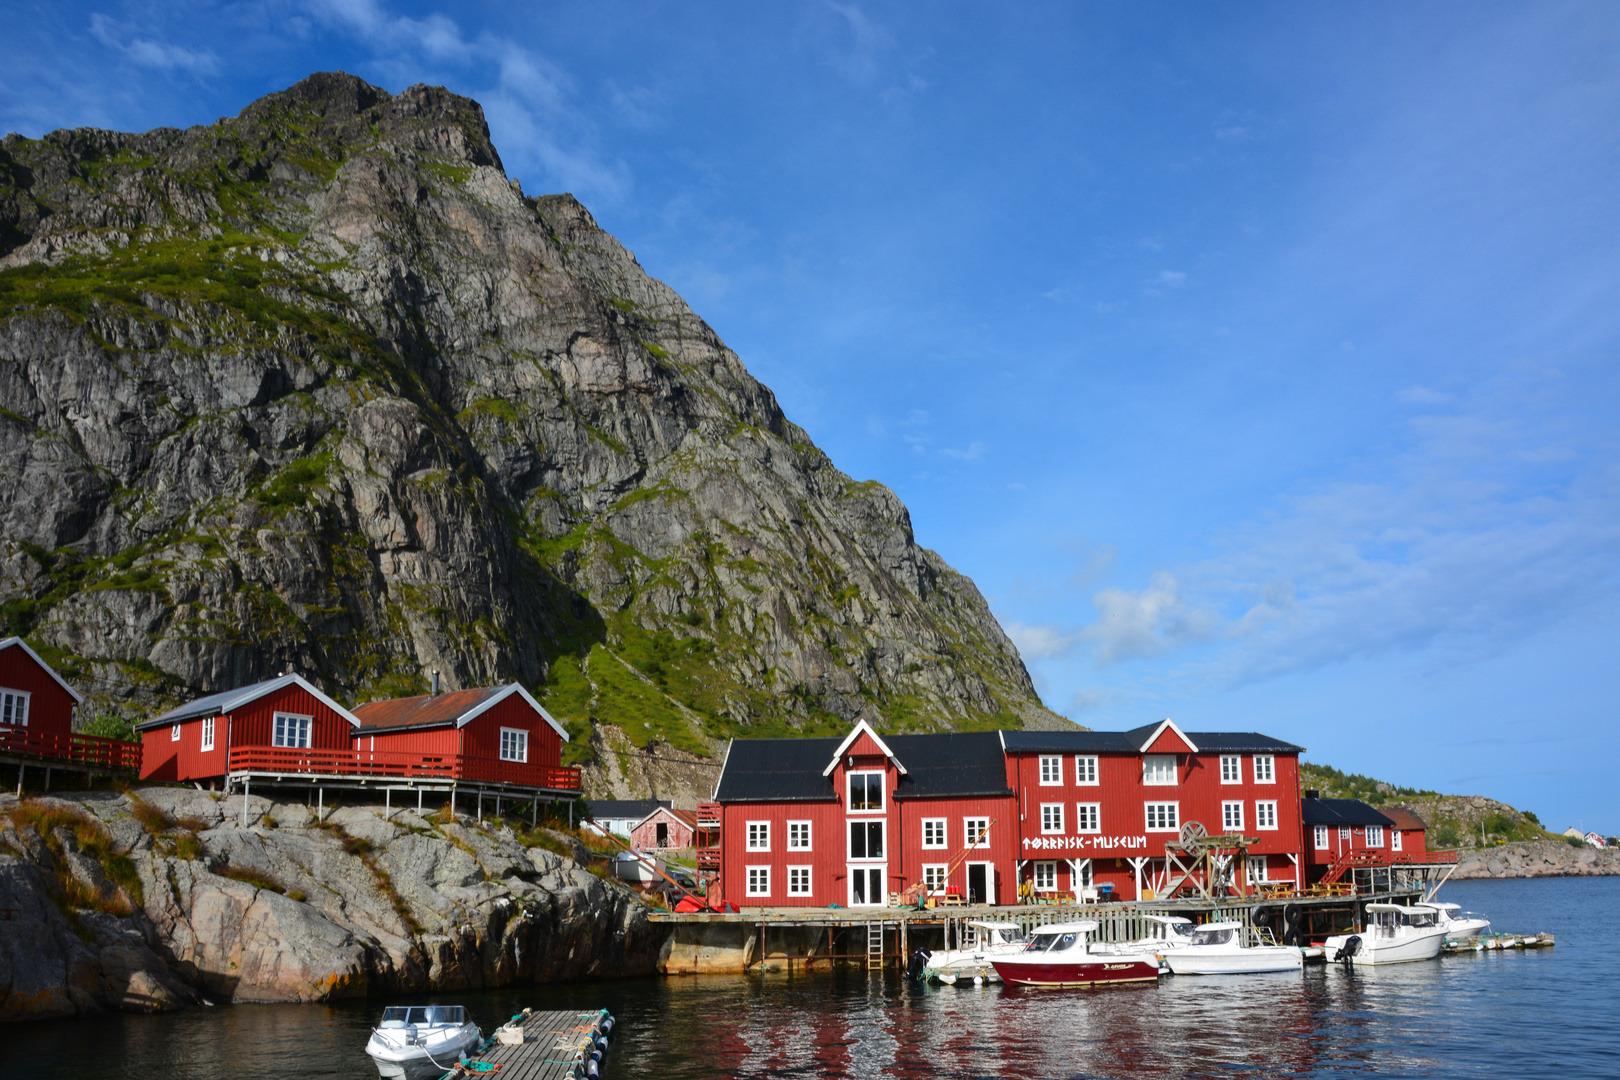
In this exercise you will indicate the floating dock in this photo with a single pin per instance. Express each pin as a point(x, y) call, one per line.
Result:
point(543, 1046)
point(1494, 942)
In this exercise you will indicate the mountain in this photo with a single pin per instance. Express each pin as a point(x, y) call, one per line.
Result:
point(318, 388)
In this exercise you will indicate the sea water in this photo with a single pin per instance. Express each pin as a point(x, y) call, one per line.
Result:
point(1543, 1012)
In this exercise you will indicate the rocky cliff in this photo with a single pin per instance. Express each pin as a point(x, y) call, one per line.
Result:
point(1546, 858)
point(318, 387)
point(162, 897)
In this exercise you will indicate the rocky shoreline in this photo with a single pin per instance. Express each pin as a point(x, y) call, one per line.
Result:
point(1534, 859)
point(161, 898)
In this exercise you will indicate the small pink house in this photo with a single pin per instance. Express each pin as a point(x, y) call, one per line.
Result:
point(664, 828)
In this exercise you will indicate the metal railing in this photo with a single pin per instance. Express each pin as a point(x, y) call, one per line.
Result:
point(403, 764)
point(72, 748)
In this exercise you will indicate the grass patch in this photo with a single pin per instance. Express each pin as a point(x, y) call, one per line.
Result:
point(153, 819)
point(58, 826)
point(366, 852)
point(257, 878)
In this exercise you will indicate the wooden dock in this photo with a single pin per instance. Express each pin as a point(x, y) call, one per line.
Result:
point(543, 1046)
point(1494, 942)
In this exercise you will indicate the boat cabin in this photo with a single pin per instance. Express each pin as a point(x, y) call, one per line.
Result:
point(1061, 937)
point(989, 935)
point(1388, 918)
point(1216, 933)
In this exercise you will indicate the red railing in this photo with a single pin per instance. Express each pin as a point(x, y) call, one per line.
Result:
point(1379, 857)
point(708, 815)
point(403, 764)
point(73, 748)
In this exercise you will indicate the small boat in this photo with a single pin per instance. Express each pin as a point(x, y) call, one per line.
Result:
point(972, 962)
point(1218, 949)
point(1060, 955)
point(1165, 932)
point(1459, 923)
point(1395, 934)
point(421, 1042)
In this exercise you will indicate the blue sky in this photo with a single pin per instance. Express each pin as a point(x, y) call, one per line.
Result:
point(1258, 362)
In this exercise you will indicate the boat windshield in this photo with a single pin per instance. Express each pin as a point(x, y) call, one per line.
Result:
point(1010, 935)
point(1421, 918)
point(424, 1015)
point(1051, 942)
point(1212, 937)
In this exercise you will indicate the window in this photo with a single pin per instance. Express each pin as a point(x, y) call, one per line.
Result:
point(976, 829)
point(14, 707)
point(1264, 772)
point(798, 881)
point(866, 791)
point(1051, 770)
point(291, 730)
point(1265, 814)
point(866, 839)
point(759, 836)
point(1394, 839)
point(1232, 816)
point(1085, 769)
point(1163, 816)
point(934, 876)
point(1344, 833)
point(1321, 838)
point(1088, 817)
point(798, 840)
point(1231, 769)
point(1257, 869)
point(759, 881)
point(1046, 877)
point(174, 733)
point(933, 832)
point(1159, 769)
point(208, 733)
point(514, 744)
point(1375, 836)
point(1051, 817)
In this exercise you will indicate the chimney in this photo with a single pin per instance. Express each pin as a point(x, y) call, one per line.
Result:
point(435, 684)
point(1313, 794)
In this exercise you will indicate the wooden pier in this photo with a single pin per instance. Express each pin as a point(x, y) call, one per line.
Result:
point(543, 1046)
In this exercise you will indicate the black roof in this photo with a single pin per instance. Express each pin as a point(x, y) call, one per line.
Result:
point(1130, 742)
point(790, 770)
point(635, 809)
point(1340, 812)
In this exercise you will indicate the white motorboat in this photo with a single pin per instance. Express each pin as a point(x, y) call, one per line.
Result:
point(1165, 932)
point(1061, 954)
point(421, 1042)
point(1395, 934)
point(972, 961)
point(1459, 923)
point(1218, 949)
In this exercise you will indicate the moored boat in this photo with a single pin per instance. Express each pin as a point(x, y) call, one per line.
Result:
point(1059, 955)
point(1458, 923)
point(1165, 932)
point(1395, 934)
point(1218, 949)
point(419, 1042)
point(972, 962)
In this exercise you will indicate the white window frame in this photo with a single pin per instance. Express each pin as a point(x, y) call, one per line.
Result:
point(867, 823)
point(14, 706)
point(1052, 819)
point(968, 825)
point(1153, 767)
point(174, 733)
point(759, 880)
point(935, 878)
point(1175, 815)
point(1375, 836)
point(207, 734)
point(1051, 770)
point(1394, 839)
point(1265, 809)
point(800, 881)
point(1321, 838)
point(799, 837)
point(849, 798)
point(520, 739)
point(1088, 811)
point(1232, 815)
point(1258, 862)
point(1086, 772)
point(1265, 768)
point(1045, 877)
point(759, 836)
point(1231, 769)
point(1344, 833)
point(940, 827)
point(305, 727)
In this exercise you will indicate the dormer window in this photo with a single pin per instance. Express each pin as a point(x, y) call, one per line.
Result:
point(1158, 768)
point(865, 791)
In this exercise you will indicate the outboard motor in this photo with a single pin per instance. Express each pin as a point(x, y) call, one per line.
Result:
point(1351, 946)
point(919, 961)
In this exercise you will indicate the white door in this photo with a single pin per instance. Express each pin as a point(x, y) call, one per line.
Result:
point(866, 886)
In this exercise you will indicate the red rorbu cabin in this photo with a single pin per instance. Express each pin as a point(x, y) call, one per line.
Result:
point(36, 716)
point(491, 734)
point(281, 724)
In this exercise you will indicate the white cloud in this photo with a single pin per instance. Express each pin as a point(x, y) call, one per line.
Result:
point(1422, 395)
point(1038, 642)
point(1173, 278)
point(972, 451)
point(153, 54)
point(1145, 623)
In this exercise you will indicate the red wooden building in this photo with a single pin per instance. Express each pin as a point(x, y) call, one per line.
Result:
point(809, 822)
point(664, 828)
point(1345, 833)
point(1096, 808)
point(36, 717)
point(493, 734)
point(208, 738)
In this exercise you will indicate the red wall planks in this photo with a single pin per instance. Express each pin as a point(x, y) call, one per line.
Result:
point(50, 708)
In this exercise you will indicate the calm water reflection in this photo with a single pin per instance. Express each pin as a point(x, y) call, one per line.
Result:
point(1497, 1014)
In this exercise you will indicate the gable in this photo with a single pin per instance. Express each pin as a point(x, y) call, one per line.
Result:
point(1163, 738)
point(862, 735)
point(16, 650)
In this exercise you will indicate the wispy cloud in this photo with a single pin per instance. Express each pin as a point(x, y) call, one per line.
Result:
point(151, 53)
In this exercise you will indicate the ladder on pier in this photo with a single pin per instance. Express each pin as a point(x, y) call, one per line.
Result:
point(874, 946)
